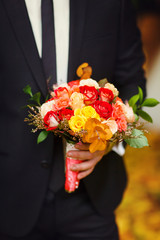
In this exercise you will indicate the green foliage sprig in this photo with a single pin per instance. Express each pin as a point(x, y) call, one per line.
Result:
point(34, 98)
point(137, 102)
point(137, 139)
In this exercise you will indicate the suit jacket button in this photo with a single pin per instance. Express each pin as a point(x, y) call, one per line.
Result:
point(45, 164)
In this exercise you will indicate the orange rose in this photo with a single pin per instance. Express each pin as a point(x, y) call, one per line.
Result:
point(61, 103)
point(61, 92)
point(122, 123)
point(74, 86)
point(117, 110)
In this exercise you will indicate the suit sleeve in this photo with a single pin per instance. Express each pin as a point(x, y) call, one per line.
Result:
point(129, 73)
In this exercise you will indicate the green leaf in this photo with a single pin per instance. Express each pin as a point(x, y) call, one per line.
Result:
point(136, 117)
point(150, 102)
point(132, 101)
point(102, 82)
point(28, 90)
point(135, 108)
point(136, 132)
point(140, 95)
point(42, 136)
point(47, 98)
point(144, 115)
point(139, 141)
point(36, 98)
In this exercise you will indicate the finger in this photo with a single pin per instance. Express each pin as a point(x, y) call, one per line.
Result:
point(81, 155)
point(82, 146)
point(85, 173)
point(86, 165)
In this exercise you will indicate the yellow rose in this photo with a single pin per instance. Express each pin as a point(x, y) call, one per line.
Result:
point(77, 123)
point(89, 112)
point(77, 112)
point(77, 100)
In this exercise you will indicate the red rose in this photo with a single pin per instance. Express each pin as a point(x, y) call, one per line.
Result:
point(106, 95)
point(74, 83)
point(51, 120)
point(74, 86)
point(104, 109)
point(65, 114)
point(90, 94)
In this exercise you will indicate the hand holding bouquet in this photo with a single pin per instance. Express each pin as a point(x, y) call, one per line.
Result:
point(89, 112)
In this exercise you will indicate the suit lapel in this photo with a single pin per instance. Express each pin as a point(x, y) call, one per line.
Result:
point(77, 20)
point(19, 19)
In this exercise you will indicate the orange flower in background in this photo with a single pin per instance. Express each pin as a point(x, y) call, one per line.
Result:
point(84, 71)
point(96, 134)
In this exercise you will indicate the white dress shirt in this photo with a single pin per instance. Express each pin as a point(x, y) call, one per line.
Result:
point(61, 24)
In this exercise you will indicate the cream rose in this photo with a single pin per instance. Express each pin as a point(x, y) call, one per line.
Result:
point(128, 111)
point(89, 82)
point(56, 86)
point(46, 107)
point(112, 88)
point(77, 100)
point(112, 125)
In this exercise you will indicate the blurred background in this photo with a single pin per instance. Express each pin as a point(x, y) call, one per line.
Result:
point(138, 216)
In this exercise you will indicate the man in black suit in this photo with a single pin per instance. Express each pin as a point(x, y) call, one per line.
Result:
point(33, 204)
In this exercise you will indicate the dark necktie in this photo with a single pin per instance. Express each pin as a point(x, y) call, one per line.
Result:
point(49, 64)
point(48, 41)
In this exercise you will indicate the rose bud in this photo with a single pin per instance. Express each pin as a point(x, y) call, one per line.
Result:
point(51, 120)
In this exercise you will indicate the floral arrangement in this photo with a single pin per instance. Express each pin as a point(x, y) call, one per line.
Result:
point(91, 112)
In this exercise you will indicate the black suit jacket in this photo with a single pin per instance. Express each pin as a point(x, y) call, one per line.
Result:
point(102, 33)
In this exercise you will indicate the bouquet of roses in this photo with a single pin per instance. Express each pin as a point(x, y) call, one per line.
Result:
point(91, 112)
